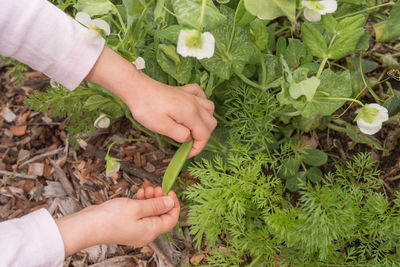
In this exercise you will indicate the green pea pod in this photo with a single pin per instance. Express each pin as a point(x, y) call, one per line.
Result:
point(175, 166)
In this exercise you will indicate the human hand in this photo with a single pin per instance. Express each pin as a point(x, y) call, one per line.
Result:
point(121, 221)
point(180, 113)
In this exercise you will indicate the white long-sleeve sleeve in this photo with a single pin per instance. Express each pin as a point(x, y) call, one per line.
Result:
point(33, 240)
point(42, 36)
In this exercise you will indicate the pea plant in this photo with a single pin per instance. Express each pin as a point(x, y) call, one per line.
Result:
point(273, 68)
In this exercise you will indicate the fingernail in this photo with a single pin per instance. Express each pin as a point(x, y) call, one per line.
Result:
point(169, 202)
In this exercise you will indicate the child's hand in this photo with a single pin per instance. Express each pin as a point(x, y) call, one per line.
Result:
point(121, 221)
point(181, 113)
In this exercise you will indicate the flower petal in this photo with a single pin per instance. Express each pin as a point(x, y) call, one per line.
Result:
point(102, 122)
point(382, 114)
point(330, 6)
point(368, 128)
point(312, 15)
point(181, 47)
point(139, 63)
point(307, 4)
point(84, 19)
point(99, 23)
point(93, 36)
point(208, 45)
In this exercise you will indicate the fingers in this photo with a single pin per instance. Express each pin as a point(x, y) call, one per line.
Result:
point(194, 89)
point(155, 206)
point(165, 222)
point(149, 192)
point(206, 104)
point(175, 130)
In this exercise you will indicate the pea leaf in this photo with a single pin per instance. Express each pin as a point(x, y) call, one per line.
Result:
point(175, 166)
point(293, 183)
point(346, 44)
point(225, 61)
point(188, 14)
point(132, 7)
point(289, 168)
point(307, 88)
point(94, 7)
point(314, 40)
point(332, 84)
point(178, 67)
point(393, 103)
point(271, 9)
point(314, 174)
point(355, 134)
point(349, 24)
point(170, 33)
point(314, 157)
point(243, 17)
point(259, 34)
point(295, 53)
point(389, 30)
point(95, 101)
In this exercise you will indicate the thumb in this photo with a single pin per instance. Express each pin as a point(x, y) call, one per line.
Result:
point(155, 206)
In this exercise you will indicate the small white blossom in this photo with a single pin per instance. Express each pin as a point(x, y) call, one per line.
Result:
point(102, 122)
point(112, 166)
point(370, 118)
point(139, 63)
point(314, 9)
point(95, 26)
point(192, 43)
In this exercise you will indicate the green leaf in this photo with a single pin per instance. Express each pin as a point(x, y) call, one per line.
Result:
point(314, 157)
point(293, 183)
point(295, 53)
point(181, 70)
point(350, 24)
point(389, 30)
point(175, 166)
point(289, 168)
point(307, 88)
point(259, 34)
point(225, 62)
point(94, 7)
point(132, 7)
point(329, 23)
point(314, 40)
point(346, 44)
point(170, 33)
point(393, 103)
point(354, 133)
point(188, 14)
point(314, 174)
point(271, 9)
point(334, 85)
point(95, 102)
point(243, 17)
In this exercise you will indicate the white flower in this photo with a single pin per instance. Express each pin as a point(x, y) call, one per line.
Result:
point(102, 122)
point(370, 118)
point(139, 63)
point(112, 166)
point(95, 26)
point(192, 43)
point(314, 9)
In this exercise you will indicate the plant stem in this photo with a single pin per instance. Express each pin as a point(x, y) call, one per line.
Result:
point(233, 30)
point(254, 261)
point(125, 140)
point(249, 82)
point(141, 18)
point(336, 128)
point(321, 67)
point(264, 71)
point(121, 21)
point(342, 98)
point(377, 100)
point(203, 11)
point(366, 10)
